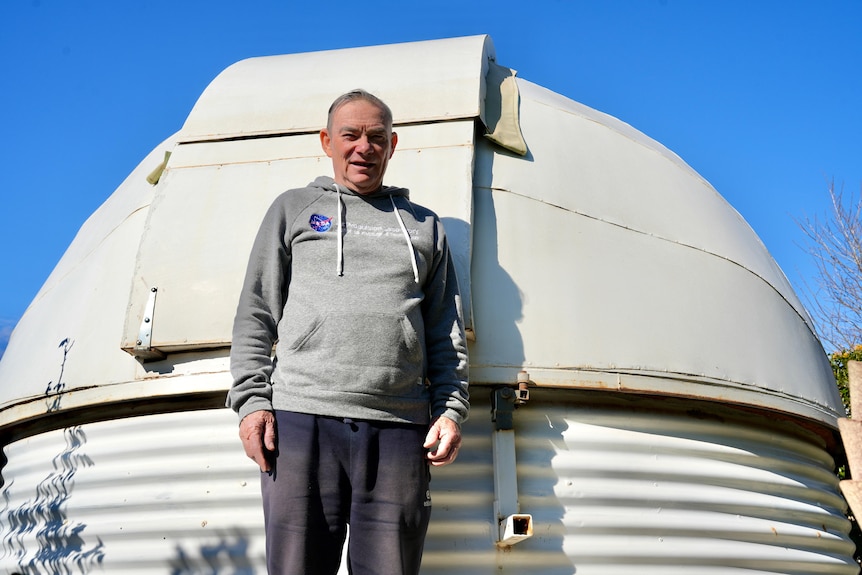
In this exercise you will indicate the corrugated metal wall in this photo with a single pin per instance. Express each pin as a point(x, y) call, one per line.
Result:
point(170, 493)
point(646, 486)
point(613, 485)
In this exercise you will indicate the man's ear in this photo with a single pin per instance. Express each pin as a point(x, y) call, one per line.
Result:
point(393, 143)
point(326, 142)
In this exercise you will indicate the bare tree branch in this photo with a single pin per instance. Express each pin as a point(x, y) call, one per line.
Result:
point(835, 245)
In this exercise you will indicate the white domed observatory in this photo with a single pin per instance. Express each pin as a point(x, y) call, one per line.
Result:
point(648, 392)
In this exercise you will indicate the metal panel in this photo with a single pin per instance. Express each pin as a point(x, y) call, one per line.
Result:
point(602, 168)
point(651, 485)
point(211, 199)
point(420, 81)
point(81, 303)
point(604, 261)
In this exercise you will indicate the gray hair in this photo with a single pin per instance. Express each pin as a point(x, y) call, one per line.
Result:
point(357, 95)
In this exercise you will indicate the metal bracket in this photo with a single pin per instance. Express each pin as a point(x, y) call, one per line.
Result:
point(504, 400)
point(143, 349)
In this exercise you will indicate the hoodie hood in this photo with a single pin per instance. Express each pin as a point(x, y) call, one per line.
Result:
point(328, 184)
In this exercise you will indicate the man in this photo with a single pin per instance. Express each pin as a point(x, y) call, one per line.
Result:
point(355, 286)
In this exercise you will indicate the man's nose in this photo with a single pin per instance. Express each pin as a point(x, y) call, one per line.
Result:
point(363, 146)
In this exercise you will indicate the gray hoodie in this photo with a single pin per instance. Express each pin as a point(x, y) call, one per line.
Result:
point(367, 322)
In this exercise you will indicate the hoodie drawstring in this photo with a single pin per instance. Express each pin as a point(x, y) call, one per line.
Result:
point(339, 262)
point(407, 238)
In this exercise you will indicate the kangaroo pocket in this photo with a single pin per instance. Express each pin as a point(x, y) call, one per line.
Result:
point(360, 352)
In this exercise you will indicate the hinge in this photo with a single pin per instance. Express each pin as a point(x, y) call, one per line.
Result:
point(144, 349)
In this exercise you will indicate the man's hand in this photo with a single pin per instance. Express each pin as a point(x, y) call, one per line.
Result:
point(257, 432)
point(446, 435)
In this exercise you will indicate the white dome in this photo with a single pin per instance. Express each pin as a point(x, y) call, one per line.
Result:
point(598, 260)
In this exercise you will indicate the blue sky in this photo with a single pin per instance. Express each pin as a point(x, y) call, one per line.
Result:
point(761, 97)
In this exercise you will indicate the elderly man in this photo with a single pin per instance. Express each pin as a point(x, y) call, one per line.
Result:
point(354, 285)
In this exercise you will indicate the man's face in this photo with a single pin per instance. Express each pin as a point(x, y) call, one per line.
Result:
point(360, 145)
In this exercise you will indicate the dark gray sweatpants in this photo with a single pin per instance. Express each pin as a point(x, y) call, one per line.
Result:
point(330, 472)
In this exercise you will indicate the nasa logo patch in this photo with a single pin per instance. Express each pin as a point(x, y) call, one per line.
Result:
point(319, 223)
